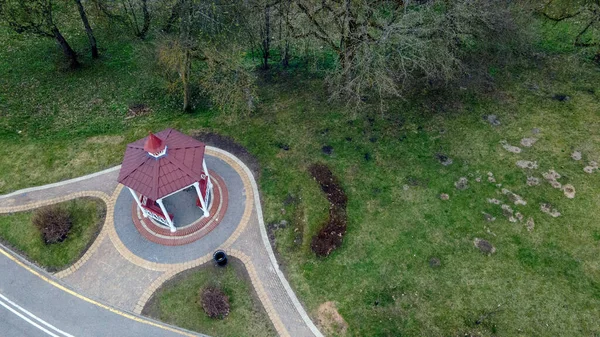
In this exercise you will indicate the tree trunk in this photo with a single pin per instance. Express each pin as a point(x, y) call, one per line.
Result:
point(88, 29)
point(66, 48)
point(173, 17)
point(185, 79)
point(142, 33)
point(267, 37)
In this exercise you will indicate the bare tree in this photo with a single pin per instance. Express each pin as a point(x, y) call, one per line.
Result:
point(36, 17)
point(88, 29)
point(206, 35)
point(127, 12)
point(383, 45)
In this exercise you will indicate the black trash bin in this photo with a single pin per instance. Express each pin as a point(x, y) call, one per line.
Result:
point(220, 258)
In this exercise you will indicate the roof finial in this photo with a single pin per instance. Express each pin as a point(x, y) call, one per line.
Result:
point(155, 146)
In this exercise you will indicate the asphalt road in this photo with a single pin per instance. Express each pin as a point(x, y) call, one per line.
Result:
point(33, 304)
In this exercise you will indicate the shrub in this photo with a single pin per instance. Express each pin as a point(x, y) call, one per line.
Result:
point(54, 222)
point(214, 302)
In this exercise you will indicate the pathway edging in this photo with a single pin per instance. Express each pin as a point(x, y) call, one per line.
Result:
point(108, 232)
point(267, 244)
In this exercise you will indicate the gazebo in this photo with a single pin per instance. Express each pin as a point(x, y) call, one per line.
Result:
point(161, 165)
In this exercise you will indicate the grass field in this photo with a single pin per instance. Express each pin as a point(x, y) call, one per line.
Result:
point(176, 302)
point(56, 125)
point(19, 233)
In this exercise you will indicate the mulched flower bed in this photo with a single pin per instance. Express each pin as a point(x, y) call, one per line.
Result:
point(331, 235)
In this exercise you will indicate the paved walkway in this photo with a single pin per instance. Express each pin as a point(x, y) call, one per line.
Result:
point(123, 269)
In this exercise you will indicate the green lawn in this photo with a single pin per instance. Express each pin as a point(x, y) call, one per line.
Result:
point(543, 282)
point(18, 232)
point(176, 302)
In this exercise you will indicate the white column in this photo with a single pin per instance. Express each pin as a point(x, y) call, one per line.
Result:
point(137, 200)
point(209, 182)
point(202, 202)
point(164, 210)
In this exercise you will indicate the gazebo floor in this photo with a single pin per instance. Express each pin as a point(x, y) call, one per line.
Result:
point(188, 218)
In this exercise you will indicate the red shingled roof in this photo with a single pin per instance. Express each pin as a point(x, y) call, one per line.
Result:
point(159, 177)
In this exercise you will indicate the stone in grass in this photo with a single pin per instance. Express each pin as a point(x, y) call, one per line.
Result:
point(530, 224)
point(434, 262)
point(551, 175)
point(509, 147)
point(526, 164)
point(547, 208)
point(491, 178)
point(494, 201)
point(528, 142)
point(488, 217)
point(444, 196)
point(533, 181)
point(492, 119)
point(555, 184)
point(517, 199)
point(462, 184)
point(591, 167)
point(576, 155)
point(508, 212)
point(519, 216)
point(569, 191)
point(484, 246)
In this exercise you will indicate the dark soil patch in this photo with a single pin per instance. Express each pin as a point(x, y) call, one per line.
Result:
point(485, 246)
point(434, 262)
point(327, 149)
point(229, 145)
point(329, 184)
point(290, 200)
point(373, 139)
point(561, 97)
point(138, 109)
point(368, 156)
point(214, 302)
point(331, 235)
point(283, 146)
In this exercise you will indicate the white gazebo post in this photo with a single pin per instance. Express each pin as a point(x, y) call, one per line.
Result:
point(202, 202)
point(137, 200)
point(164, 210)
point(209, 183)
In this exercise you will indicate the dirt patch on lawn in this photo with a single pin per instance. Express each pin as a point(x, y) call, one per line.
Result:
point(105, 140)
point(137, 109)
point(229, 145)
point(331, 235)
point(330, 320)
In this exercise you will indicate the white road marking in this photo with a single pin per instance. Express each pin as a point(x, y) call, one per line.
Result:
point(48, 325)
